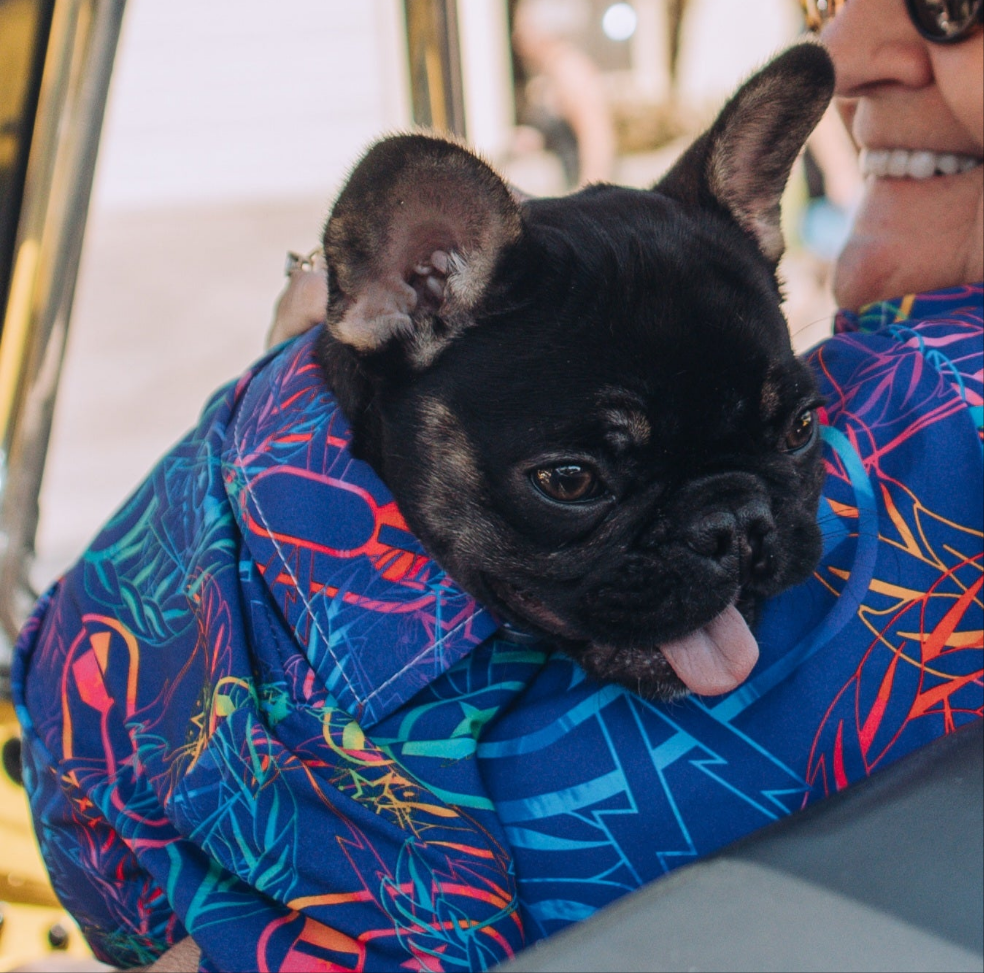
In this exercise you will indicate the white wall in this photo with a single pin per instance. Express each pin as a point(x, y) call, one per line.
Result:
point(486, 71)
point(238, 99)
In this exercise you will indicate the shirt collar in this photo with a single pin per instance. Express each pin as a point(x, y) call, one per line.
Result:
point(374, 615)
point(911, 307)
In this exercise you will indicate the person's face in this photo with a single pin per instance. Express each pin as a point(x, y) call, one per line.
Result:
point(896, 90)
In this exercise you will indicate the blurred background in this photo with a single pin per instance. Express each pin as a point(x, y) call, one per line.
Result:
point(230, 125)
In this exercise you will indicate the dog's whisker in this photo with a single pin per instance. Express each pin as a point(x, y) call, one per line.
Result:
point(809, 325)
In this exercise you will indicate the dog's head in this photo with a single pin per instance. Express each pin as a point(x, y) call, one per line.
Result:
point(588, 408)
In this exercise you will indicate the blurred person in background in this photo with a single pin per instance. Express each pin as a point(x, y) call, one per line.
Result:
point(564, 97)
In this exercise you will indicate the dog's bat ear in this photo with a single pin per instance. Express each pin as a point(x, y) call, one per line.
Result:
point(743, 161)
point(411, 244)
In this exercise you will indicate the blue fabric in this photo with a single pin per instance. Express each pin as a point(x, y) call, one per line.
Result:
point(256, 711)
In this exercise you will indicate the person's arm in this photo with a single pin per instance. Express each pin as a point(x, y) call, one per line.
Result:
point(582, 101)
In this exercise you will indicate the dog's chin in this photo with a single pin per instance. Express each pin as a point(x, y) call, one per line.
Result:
point(524, 609)
point(712, 659)
point(645, 671)
point(714, 656)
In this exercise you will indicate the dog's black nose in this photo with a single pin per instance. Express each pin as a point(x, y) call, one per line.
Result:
point(756, 553)
point(745, 534)
point(714, 535)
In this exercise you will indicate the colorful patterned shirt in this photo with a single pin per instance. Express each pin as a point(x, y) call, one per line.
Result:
point(258, 713)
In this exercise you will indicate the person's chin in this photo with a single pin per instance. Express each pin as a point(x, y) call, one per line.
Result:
point(912, 235)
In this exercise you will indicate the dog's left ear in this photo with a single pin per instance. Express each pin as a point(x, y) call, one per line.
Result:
point(411, 244)
point(743, 161)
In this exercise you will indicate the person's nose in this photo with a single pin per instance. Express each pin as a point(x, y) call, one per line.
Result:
point(873, 44)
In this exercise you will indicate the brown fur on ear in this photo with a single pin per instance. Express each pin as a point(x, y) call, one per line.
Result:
point(743, 161)
point(412, 242)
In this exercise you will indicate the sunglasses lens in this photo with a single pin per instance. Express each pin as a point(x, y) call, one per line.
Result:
point(945, 19)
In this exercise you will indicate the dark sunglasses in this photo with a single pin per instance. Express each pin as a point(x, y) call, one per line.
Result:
point(940, 21)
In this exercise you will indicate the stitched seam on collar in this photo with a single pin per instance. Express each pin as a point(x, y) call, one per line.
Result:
point(247, 486)
point(432, 647)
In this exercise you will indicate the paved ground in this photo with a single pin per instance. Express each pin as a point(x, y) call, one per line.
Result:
point(170, 304)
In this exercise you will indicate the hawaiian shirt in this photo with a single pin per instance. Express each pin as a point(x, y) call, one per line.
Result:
point(257, 712)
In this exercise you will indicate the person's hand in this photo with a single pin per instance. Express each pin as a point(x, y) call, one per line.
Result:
point(302, 302)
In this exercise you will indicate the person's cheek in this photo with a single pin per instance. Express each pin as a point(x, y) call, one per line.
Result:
point(958, 70)
point(847, 108)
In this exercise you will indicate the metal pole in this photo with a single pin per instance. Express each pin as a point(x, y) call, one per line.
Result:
point(74, 85)
point(436, 90)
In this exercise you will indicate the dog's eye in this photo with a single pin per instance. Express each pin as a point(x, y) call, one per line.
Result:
point(568, 482)
point(802, 433)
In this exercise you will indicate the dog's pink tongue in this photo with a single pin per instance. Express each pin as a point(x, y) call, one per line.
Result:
point(716, 658)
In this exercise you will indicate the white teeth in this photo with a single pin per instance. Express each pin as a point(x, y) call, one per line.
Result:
point(898, 163)
point(949, 165)
point(874, 162)
point(913, 164)
point(921, 165)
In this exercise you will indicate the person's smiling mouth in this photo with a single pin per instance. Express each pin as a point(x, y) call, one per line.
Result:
point(914, 163)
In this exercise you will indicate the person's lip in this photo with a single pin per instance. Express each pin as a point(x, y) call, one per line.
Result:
point(900, 163)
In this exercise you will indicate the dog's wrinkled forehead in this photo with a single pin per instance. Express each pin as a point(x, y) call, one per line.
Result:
point(625, 295)
point(625, 418)
point(635, 363)
point(644, 258)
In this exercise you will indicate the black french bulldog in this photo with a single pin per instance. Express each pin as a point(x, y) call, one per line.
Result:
point(588, 408)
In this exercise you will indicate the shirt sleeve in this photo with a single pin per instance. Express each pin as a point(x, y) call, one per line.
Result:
point(324, 853)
